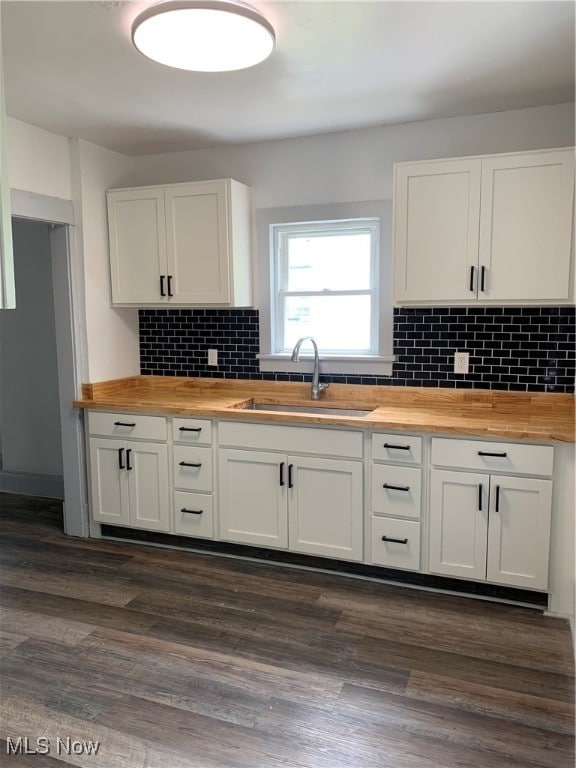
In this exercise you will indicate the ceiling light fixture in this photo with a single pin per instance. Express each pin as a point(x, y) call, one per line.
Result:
point(204, 35)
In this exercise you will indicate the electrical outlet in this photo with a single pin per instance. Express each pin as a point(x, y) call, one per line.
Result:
point(461, 362)
point(212, 357)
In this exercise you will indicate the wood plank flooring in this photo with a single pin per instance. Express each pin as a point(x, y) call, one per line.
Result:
point(176, 660)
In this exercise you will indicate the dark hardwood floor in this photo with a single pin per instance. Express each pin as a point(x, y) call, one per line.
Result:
point(176, 660)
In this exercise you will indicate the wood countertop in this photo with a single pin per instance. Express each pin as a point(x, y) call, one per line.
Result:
point(485, 413)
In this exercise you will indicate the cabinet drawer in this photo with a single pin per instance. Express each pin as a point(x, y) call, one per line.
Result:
point(402, 554)
point(396, 491)
point(488, 456)
point(274, 437)
point(192, 468)
point(193, 514)
point(192, 431)
point(127, 425)
point(405, 449)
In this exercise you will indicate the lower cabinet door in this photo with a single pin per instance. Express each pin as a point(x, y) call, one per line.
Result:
point(325, 507)
point(458, 523)
point(519, 531)
point(147, 470)
point(252, 498)
point(396, 543)
point(108, 481)
point(193, 514)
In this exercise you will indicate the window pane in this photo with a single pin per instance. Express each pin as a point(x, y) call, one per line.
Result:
point(337, 323)
point(335, 262)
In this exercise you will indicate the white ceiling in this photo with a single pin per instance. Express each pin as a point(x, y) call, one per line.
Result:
point(70, 67)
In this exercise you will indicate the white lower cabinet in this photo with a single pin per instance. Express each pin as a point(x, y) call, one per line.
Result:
point(305, 504)
point(467, 508)
point(193, 514)
point(325, 507)
point(252, 498)
point(129, 482)
point(490, 527)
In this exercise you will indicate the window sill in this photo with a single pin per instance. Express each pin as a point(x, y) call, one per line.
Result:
point(360, 365)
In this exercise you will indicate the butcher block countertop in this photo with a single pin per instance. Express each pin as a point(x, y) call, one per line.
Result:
point(484, 413)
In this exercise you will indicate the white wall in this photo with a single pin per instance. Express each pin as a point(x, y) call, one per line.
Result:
point(356, 165)
point(29, 413)
point(112, 334)
point(38, 161)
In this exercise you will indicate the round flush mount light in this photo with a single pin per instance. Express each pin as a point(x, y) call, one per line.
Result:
point(204, 35)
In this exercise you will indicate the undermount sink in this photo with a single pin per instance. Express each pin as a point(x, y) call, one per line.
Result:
point(316, 409)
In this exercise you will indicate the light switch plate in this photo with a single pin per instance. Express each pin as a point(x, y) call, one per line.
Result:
point(212, 357)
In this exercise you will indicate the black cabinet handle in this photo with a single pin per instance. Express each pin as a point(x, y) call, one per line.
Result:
point(480, 490)
point(128, 452)
point(120, 457)
point(396, 541)
point(396, 487)
point(170, 286)
point(162, 291)
point(496, 455)
point(124, 424)
point(497, 504)
point(189, 464)
point(482, 278)
point(190, 429)
point(472, 270)
point(290, 468)
point(397, 447)
point(192, 511)
point(282, 473)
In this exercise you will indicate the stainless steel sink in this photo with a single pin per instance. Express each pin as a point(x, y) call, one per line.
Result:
point(316, 409)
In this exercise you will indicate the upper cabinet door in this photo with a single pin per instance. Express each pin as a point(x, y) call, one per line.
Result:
point(137, 229)
point(198, 243)
point(436, 221)
point(526, 226)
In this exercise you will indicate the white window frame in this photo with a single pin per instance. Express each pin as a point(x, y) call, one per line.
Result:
point(377, 362)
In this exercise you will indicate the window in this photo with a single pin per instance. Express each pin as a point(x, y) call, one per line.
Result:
point(316, 291)
point(328, 273)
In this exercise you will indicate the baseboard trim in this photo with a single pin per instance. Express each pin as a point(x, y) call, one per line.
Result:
point(32, 484)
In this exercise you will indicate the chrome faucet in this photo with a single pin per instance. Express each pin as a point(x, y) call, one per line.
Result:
point(316, 386)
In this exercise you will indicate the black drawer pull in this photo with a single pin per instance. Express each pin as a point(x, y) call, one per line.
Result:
point(396, 541)
point(282, 473)
point(192, 511)
point(124, 423)
point(396, 487)
point(128, 452)
point(496, 455)
point(120, 454)
point(480, 490)
point(497, 504)
point(397, 447)
point(472, 269)
point(190, 429)
point(162, 291)
point(189, 464)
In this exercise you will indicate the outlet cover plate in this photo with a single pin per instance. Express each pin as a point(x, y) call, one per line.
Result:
point(461, 362)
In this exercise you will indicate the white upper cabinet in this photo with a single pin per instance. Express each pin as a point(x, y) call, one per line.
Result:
point(7, 287)
point(485, 230)
point(181, 245)
point(526, 226)
point(436, 218)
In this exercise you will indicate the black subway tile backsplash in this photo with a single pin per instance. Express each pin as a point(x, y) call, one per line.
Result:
point(518, 349)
